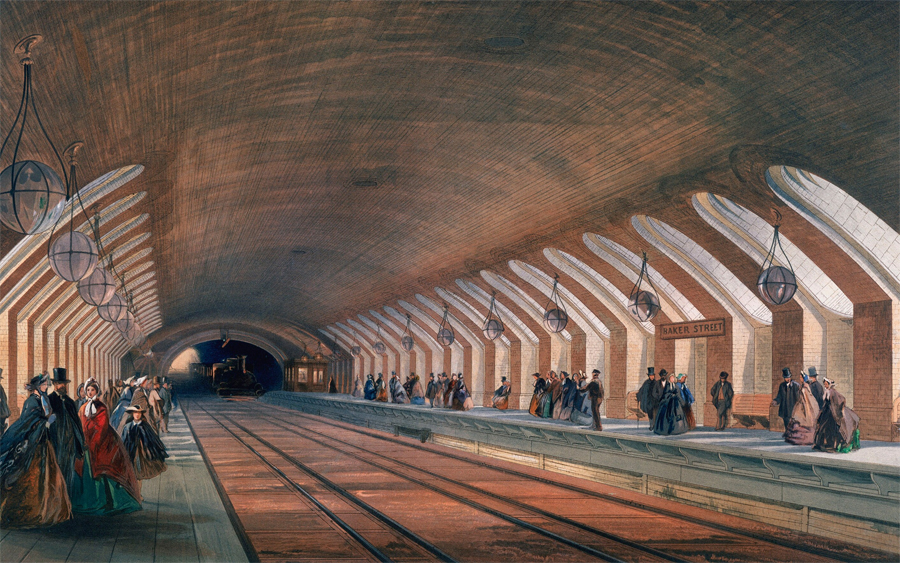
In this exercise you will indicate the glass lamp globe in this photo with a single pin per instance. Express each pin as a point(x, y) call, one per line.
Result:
point(643, 305)
point(407, 342)
point(126, 322)
point(73, 256)
point(97, 288)
point(112, 310)
point(355, 351)
point(556, 320)
point(139, 339)
point(34, 203)
point(445, 336)
point(379, 347)
point(492, 329)
point(776, 285)
point(129, 334)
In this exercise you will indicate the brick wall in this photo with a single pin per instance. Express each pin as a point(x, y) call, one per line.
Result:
point(873, 377)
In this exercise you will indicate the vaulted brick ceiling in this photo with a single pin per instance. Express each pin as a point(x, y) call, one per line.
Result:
point(399, 143)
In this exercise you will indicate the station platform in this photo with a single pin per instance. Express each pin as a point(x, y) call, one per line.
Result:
point(183, 519)
point(854, 497)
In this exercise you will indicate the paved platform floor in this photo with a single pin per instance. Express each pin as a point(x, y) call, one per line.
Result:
point(879, 453)
point(183, 519)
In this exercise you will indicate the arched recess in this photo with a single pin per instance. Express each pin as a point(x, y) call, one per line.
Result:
point(472, 344)
point(412, 361)
point(391, 338)
point(851, 239)
point(825, 309)
point(553, 350)
point(452, 356)
point(523, 345)
point(431, 350)
point(215, 334)
point(382, 361)
point(496, 352)
point(366, 351)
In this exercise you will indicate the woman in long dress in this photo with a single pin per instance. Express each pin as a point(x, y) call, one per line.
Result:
point(449, 391)
point(33, 491)
point(357, 387)
point(462, 401)
point(148, 453)
point(545, 407)
point(581, 406)
point(837, 428)
point(670, 419)
point(418, 394)
point(439, 386)
point(500, 400)
point(398, 392)
point(430, 390)
point(540, 385)
point(801, 428)
point(108, 484)
point(369, 393)
point(381, 392)
point(687, 400)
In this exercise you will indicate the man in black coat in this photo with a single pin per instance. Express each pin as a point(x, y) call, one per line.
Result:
point(787, 397)
point(595, 392)
point(66, 435)
point(649, 395)
point(722, 396)
point(816, 388)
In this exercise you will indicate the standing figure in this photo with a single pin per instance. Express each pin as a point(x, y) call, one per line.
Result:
point(408, 385)
point(430, 390)
point(816, 388)
point(141, 398)
point(500, 399)
point(357, 388)
point(462, 400)
point(556, 390)
point(81, 399)
point(837, 429)
point(113, 391)
point(545, 408)
point(398, 391)
point(166, 395)
point(332, 386)
point(4, 407)
point(119, 419)
point(155, 400)
point(581, 409)
point(381, 392)
point(66, 435)
point(449, 390)
point(595, 393)
point(32, 488)
point(567, 400)
point(649, 395)
point(788, 394)
point(688, 400)
point(722, 396)
point(438, 401)
point(801, 429)
point(540, 385)
point(108, 484)
point(417, 397)
point(670, 418)
point(147, 452)
point(369, 390)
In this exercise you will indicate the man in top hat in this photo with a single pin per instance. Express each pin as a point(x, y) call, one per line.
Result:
point(787, 397)
point(595, 393)
point(722, 396)
point(166, 396)
point(816, 388)
point(66, 435)
point(4, 406)
point(500, 400)
point(649, 395)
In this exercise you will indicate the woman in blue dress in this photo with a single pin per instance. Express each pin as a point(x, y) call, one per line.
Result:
point(670, 419)
point(688, 400)
point(370, 388)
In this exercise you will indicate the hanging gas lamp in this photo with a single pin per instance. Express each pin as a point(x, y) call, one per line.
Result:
point(73, 255)
point(355, 349)
point(126, 322)
point(32, 195)
point(317, 356)
point(445, 334)
point(493, 326)
point(112, 310)
point(643, 305)
point(98, 287)
point(776, 284)
point(379, 346)
point(555, 316)
point(406, 341)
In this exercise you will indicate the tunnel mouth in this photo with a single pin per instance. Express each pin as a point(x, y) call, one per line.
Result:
point(232, 368)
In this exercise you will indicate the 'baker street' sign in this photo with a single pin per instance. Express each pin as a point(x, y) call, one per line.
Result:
point(693, 329)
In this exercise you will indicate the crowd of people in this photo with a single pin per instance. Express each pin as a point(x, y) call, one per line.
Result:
point(64, 457)
point(813, 413)
point(441, 391)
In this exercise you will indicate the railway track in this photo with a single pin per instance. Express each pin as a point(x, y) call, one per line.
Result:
point(589, 540)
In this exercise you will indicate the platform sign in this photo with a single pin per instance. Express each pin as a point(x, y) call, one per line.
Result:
point(693, 329)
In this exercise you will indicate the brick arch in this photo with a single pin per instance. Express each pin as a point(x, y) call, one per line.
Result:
point(429, 345)
point(471, 345)
point(371, 336)
point(399, 330)
point(433, 321)
point(391, 342)
point(365, 352)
